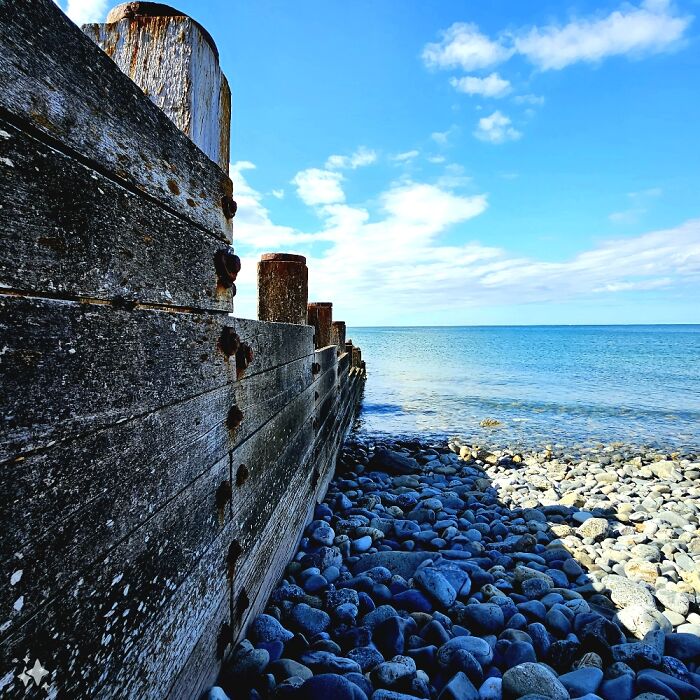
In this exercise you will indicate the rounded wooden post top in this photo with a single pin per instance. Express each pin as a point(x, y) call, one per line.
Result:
point(133, 10)
point(282, 257)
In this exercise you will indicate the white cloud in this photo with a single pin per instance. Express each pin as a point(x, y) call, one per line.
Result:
point(436, 159)
point(253, 218)
point(528, 100)
point(361, 157)
point(316, 186)
point(464, 46)
point(422, 204)
point(278, 194)
point(442, 137)
point(86, 11)
point(496, 128)
point(375, 266)
point(490, 86)
point(403, 157)
point(653, 27)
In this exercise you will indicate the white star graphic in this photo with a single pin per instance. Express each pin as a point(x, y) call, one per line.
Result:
point(38, 672)
point(24, 677)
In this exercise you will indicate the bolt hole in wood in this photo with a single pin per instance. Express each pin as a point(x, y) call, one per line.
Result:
point(229, 342)
point(224, 639)
point(234, 417)
point(223, 496)
point(234, 552)
point(315, 476)
point(244, 356)
point(315, 368)
point(242, 604)
point(242, 475)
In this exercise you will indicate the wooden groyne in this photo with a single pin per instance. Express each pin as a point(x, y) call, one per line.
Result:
point(160, 456)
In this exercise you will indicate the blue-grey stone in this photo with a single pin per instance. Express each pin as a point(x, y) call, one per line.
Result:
point(308, 620)
point(266, 628)
point(532, 678)
point(366, 657)
point(330, 685)
point(435, 585)
point(326, 662)
point(480, 649)
point(582, 681)
point(485, 618)
point(519, 653)
point(459, 688)
point(620, 688)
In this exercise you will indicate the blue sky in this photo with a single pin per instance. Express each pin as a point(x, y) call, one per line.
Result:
point(467, 163)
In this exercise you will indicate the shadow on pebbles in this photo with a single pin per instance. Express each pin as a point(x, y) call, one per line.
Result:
point(450, 572)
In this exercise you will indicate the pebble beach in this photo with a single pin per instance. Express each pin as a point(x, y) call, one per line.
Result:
point(441, 569)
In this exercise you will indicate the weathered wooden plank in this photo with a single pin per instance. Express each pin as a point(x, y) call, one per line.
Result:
point(66, 230)
point(326, 357)
point(117, 364)
point(150, 458)
point(262, 567)
point(175, 62)
point(85, 628)
point(57, 80)
point(81, 498)
point(167, 647)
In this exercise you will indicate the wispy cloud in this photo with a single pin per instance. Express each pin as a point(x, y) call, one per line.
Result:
point(361, 157)
point(442, 137)
point(529, 99)
point(397, 255)
point(639, 205)
point(85, 11)
point(405, 156)
point(496, 128)
point(651, 27)
point(490, 86)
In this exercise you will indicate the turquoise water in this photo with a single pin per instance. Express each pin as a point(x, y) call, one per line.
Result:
point(638, 385)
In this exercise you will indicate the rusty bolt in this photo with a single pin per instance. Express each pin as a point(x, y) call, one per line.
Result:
point(229, 206)
point(234, 418)
point(234, 551)
point(229, 342)
point(242, 475)
point(244, 356)
point(227, 265)
point(315, 368)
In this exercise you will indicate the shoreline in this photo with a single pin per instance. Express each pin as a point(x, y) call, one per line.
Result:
point(488, 438)
point(456, 573)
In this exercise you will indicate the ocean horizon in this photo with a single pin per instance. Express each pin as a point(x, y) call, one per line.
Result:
point(636, 384)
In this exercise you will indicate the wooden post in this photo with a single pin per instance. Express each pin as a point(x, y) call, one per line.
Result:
point(174, 60)
point(338, 335)
point(283, 288)
point(320, 316)
point(356, 356)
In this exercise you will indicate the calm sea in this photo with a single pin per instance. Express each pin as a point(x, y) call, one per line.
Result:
point(546, 384)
